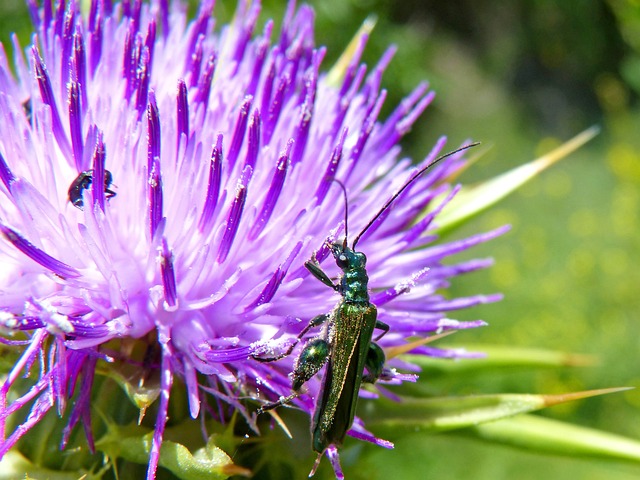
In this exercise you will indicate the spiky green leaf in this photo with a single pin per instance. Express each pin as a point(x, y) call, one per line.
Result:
point(544, 435)
point(474, 199)
point(450, 413)
point(498, 356)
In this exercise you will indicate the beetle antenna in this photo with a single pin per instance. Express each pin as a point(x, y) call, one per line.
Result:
point(409, 182)
point(346, 211)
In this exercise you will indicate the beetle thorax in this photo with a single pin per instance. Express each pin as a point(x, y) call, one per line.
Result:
point(354, 281)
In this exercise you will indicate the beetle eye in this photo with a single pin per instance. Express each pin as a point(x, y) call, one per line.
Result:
point(342, 261)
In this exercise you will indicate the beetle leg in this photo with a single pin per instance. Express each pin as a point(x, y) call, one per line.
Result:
point(317, 272)
point(381, 326)
point(374, 363)
point(315, 321)
point(312, 358)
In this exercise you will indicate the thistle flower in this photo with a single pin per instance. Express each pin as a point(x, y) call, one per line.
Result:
point(163, 184)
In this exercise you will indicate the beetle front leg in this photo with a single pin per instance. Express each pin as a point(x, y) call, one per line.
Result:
point(315, 321)
point(316, 271)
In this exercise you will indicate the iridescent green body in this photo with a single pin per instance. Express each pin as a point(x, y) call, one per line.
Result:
point(353, 326)
point(350, 336)
point(346, 348)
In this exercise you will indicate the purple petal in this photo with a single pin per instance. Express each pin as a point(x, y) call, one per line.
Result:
point(261, 47)
point(270, 289)
point(48, 98)
point(166, 380)
point(204, 82)
point(95, 43)
point(153, 166)
point(273, 194)
point(253, 140)
point(229, 355)
point(182, 113)
point(235, 215)
point(274, 108)
point(213, 187)
point(332, 168)
point(40, 408)
point(34, 253)
point(143, 77)
point(6, 175)
point(75, 123)
point(301, 134)
point(80, 67)
point(238, 132)
point(168, 275)
point(98, 184)
point(405, 286)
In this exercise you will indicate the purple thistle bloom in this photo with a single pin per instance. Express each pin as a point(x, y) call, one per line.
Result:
point(208, 162)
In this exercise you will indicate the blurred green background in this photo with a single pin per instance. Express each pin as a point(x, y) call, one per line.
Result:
point(521, 77)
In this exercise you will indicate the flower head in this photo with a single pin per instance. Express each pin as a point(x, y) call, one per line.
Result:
point(163, 184)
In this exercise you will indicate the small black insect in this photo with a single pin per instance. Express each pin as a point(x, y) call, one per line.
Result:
point(82, 182)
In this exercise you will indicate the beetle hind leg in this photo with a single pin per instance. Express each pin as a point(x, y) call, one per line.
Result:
point(279, 403)
point(374, 363)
